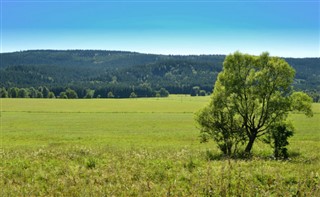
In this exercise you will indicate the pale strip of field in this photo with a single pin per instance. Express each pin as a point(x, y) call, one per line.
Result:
point(174, 103)
point(142, 121)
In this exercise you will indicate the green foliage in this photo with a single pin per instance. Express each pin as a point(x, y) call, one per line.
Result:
point(71, 94)
point(195, 91)
point(163, 92)
point(51, 95)
point(91, 163)
point(63, 95)
point(314, 95)
point(40, 89)
point(302, 102)
point(39, 95)
point(27, 92)
point(3, 93)
point(202, 93)
point(45, 92)
point(133, 95)
point(32, 92)
point(251, 95)
point(13, 92)
point(110, 95)
point(190, 165)
point(223, 127)
point(278, 139)
point(89, 94)
point(23, 93)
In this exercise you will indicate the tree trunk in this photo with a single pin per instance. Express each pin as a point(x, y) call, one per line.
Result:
point(252, 138)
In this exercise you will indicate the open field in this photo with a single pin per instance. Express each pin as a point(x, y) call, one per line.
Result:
point(141, 147)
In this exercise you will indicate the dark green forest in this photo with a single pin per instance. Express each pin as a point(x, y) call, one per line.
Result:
point(98, 73)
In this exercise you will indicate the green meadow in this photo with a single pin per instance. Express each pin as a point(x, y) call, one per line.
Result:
point(141, 147)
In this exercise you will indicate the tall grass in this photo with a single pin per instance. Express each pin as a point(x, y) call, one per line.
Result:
point(141, 147)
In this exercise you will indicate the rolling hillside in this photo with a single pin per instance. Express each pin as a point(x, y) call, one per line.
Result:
point(97, 69)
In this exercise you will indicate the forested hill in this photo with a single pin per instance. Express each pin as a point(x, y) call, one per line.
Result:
point(97, 70)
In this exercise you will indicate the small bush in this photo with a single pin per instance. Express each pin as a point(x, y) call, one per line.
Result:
point(190, 165)
point(91, 163)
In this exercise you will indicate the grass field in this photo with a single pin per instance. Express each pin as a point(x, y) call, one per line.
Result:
point(141, 147)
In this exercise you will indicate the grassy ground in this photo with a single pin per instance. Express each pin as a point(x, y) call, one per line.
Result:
point(141, 147)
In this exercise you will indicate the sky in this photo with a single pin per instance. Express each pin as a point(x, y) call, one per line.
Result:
point(283, 28)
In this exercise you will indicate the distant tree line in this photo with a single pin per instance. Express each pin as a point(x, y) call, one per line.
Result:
point(196, 91)
point(69, 93)
point(14, 92)
point(122, 72)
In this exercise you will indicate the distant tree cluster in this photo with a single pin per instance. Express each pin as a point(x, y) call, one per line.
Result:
point(196, 91)
point(69, 93)
point(14, 92)
point(314, 94)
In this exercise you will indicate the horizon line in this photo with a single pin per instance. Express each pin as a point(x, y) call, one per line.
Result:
point(151, 53)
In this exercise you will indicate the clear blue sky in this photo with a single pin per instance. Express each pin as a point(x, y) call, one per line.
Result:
point(283, 28)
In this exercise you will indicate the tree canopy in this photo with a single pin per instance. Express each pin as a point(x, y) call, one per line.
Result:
point(251, 95)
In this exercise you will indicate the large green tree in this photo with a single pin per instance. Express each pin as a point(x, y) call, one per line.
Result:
point(251, 95)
